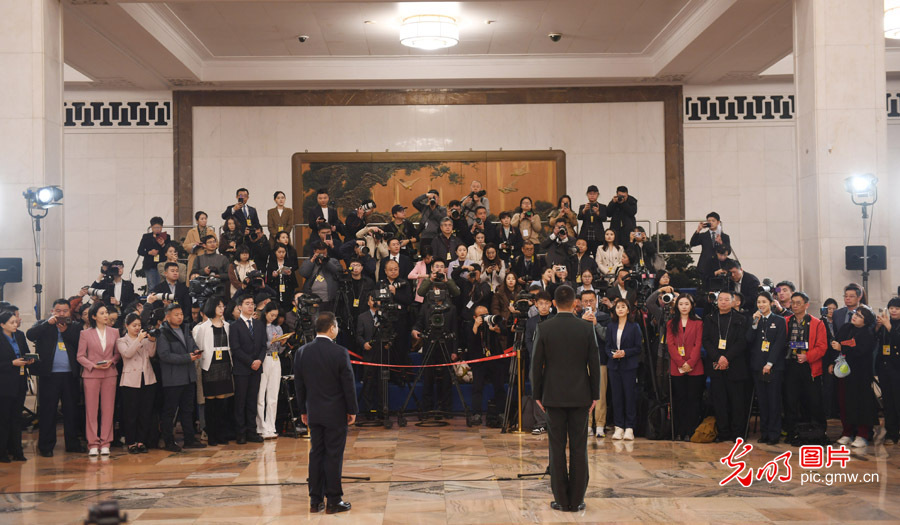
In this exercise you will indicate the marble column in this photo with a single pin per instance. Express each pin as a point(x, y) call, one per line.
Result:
point(841, 130)
point(31, 93)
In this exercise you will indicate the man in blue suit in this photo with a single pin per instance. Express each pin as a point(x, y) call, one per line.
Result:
point(247, 337)
point(326, 396)
point(244, 215)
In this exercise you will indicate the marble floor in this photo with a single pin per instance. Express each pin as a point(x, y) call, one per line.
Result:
point(448, 475)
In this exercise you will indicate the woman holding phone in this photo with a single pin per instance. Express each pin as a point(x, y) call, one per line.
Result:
point(98, 356)
point(13, 386)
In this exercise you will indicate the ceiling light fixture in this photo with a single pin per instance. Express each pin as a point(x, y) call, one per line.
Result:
point(892, 18)
point(429, 32)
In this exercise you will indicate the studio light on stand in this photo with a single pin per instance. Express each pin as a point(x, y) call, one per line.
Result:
point(863, 190)
point(38, 201)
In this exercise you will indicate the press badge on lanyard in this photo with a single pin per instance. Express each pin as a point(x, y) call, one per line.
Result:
point(61, 346)
point(721, 344)
point(681, 351)
point(886, 350)
point(765, 346)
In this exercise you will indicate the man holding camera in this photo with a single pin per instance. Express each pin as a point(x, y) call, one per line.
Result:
point(807, 343)
point(321, 273)
point(151, 248)
point(437, 309)
point(527, 266)
point(326, 236)
point(581, 262)
point(244, 215)
point(508, 239)
point(375, 349)
point(484, 341)
point(647, 256)
point(622, 210)
point(402, 295)
point(431, 215)
point(117, 291)
point(211, 263)
point(402, 229)
point(744, 283)
point(592, 216)
point(260, 248)
point(177, 352)
point(56, 342)
point(174, 290)
point(473, 200)
point(358, 218)
point(325, 213)
point(558, 246)
point(709, 240)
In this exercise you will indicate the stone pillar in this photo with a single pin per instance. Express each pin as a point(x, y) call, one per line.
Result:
point(839, 76)
point(31, 93)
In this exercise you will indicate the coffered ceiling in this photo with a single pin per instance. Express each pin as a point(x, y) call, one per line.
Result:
point(240, 44)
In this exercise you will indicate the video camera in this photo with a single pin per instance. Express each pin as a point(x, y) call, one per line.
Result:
point(202, 288)
point(766, 286)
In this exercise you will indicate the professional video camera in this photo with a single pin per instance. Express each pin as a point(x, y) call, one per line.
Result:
point(438, 298)
point(641, 280)
point(766, 286)
point(307, 310)
point(202, 288)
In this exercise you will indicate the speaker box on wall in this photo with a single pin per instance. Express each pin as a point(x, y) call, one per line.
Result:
point(853, 257)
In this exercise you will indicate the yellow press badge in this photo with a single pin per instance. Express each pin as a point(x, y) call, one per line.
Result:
point(765, 346)
point(448, 256)
point(319, 278)
point(275, 355)
point(61, 346)
point(721, 344)
point(356, 303)
point(156, 258)
point(248, 222)
point(681, 351)
point(281, 288)
point(218, 355)
point(886, 349)
point(662, 338)
point(21, 370)
point(578, 278)
point(281, 228)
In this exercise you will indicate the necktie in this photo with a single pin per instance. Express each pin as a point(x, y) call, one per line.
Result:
point(250, 326)
point(850, 315)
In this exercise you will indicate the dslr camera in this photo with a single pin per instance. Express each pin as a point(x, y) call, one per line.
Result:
point(202, 288)
point(440, 277)
point(491, 320)
point(480, 194)
point(367, 205)
point(454, 214)
point(320, 258)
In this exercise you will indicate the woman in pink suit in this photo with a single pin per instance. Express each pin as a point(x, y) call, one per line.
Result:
point(98, 356)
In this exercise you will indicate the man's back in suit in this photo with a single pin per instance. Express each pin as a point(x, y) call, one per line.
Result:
point(325, 384)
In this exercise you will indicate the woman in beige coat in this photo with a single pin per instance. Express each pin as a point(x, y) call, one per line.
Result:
point(279, 219)
point(527, 221)
point(192, 239)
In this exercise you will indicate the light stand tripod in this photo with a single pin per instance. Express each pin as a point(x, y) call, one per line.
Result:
point(433, 341)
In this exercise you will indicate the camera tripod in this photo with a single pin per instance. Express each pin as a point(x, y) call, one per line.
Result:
point(384, 331)
point(439, 342)
point(343, 308)
point(288, 393)
point(516, 378)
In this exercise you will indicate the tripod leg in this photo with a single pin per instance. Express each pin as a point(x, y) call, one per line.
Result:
point(454, 380)
point(513, 380)
point(412, 388)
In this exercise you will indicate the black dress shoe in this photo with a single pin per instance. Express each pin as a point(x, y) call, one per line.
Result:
point(43, 454)
point(556, 506)
point(318, 507)
point(578, 508)
point(341, 506)
point(142, 448)
point(172, 447)
point(5, 459)
point(194, 444)
point(211, 442)
point(773, 441)
point(763, 439)
point(241, 440)
point(255, 438)
point(19, 457)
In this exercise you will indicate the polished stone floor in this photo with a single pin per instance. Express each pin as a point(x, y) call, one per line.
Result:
point(448, 475)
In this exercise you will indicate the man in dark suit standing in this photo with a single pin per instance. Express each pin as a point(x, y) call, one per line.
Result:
point(708, 241)
point(395, 254)
point(326, 396)
point(244, 215)
point(566, 383)
point(56, 341)
point(172, 285)
point(325, 213)
point(725, 341)
point(852, 298)
point(247, 337)
point(744, 282)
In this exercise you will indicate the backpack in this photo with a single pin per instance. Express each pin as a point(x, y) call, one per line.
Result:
point(706, 432)
point(659, 422)
point(809, 434)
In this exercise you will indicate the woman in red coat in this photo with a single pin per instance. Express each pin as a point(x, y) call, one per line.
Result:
point(684, 335)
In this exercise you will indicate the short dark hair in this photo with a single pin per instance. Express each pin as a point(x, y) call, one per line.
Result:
point(623, 189)
point(801, 295)
point(319, 245)
point(156, 220)
point(427, 250)
point(587, 292)
point(242, 189)
point(729, 292)
point(198, 214)
point(323, 226)
point(324, 322)
point(242, 248)
point(854, 287)
point(734, 263)
point(480, 208)
point(279, 192)
point(205, 239)
point(505, 214)
point(5, 316)
point(240, 300)
point(172, 307)
point(543, 295)
point(713, 215)
point(61, 301)
point(767, 296)
point(564, 296)
point(724, 249)
point(454, 202)
point(209, 308)
point(831, 300)
point(95, 308)
point(321, 191)
point(132, 317)
point(271, 306)
point(170, 264)
point(788, 284)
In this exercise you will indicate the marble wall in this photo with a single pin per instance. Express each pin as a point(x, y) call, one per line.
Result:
point(605, 144)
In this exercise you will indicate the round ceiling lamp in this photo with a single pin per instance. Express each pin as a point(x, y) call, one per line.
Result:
point(429, 32)
point(892, 18)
